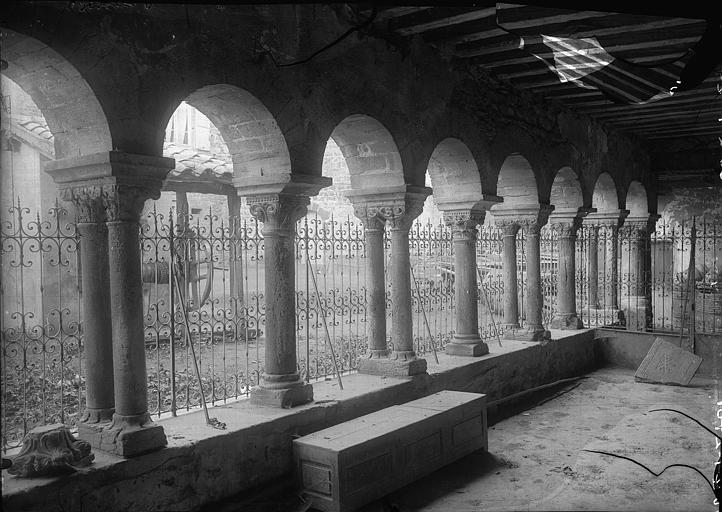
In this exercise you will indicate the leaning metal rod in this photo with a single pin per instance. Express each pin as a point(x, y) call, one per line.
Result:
point(325, 325)
point(426, 321)
point(213, 422)
point(488, 305)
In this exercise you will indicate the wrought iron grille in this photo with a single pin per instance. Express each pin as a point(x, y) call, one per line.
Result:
point(41, 321)
point(218, 265)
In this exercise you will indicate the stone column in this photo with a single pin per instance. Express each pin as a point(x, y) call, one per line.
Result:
point(400, 219)
point(604, 226)
point(637, 306)
point(535, 330)
point(376, 289)
point(511, 294)
point(278, 206)
point(97, 334)
point(281, 385)
point(611, 277)
point(124, 182)
point(566, 316)
point(466, 341)
point(593, 267)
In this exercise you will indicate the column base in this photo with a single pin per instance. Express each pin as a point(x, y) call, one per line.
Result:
point(567, 321)
point(126, 436)
point(529, 334)
point(97, 415)
point(396, 365)
point(297, 394)
point(466, 347)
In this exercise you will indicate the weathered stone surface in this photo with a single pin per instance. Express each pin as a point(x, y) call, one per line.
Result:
point(392, 367)
point(667, 364)
point(569, 321)
point(283, 397)
point(51, 450)
point(456, 348)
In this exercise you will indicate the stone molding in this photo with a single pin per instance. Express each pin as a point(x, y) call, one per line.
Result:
point(399, 206)
point(531, 218)
point(608, 219)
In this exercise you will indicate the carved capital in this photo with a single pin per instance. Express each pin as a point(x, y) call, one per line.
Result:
point(567, 228)
point(463, 223)
point(508, 227)
point(123, 202)
point(401, 217)
point(51, 450)
point(87, 200)
point(278, 211)
point(369, 217)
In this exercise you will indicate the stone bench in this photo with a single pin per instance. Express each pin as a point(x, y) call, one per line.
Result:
point(343, 467)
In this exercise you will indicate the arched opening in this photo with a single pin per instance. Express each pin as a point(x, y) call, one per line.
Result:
point(517, 182)
point(636, 201)
point(49, 112)
point(566, 193)
point(604, 196)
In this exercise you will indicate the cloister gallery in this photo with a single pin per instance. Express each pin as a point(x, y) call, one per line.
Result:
point(228, 227)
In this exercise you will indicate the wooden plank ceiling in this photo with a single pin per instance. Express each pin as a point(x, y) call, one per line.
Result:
point(490, 35)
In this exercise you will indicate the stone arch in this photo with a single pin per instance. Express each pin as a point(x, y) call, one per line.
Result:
point(517, 182)
point(254, 140)
point(605, 196)
point(566, 192)
point(370, 151)
point(454, 173)
point(636, 200)
point(66, 100)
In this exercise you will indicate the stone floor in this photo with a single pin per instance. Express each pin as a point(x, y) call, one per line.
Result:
point(536, 459)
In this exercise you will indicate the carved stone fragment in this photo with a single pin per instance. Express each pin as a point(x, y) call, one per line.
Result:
point(51, 450)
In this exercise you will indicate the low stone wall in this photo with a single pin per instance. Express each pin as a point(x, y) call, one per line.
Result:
point(628, 348)
point(202, 465)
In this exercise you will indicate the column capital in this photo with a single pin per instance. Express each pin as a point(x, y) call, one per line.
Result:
point(463, 222)
point(87, 201)
point(528, 217)
point(278, 211)
point(567, 220)
point(640, 226)
point(606, 218)
point(398, 205)
point(120, 182)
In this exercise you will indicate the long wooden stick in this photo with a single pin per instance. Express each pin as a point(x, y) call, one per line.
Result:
point(325, 325)
point(426, 320)
point(213, 422)
point(488, 305)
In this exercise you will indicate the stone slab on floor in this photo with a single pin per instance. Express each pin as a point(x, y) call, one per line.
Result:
point(668, 364)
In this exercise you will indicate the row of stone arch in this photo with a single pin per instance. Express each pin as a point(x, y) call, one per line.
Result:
point(462, 167)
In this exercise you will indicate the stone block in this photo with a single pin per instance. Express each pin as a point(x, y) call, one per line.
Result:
point(351, 464)
point(467, 349)
point(390, 367)
point(284, 398)
point(132, 441)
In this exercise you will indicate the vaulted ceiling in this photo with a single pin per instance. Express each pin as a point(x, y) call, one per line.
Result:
point(615, 63)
